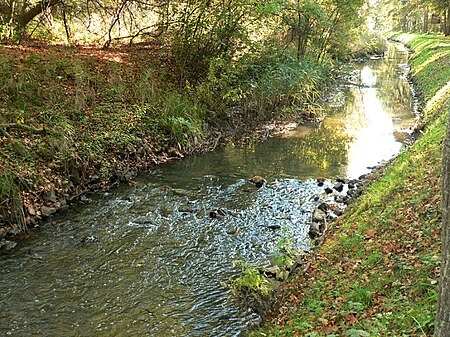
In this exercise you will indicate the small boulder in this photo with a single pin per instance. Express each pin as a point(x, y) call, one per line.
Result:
point(342, 180)
point(338, 212)
point(258, 181)
point(31, 211)
point(47, 211)
point(328, 190)
point(314, 230)
point(319, 216)
point(50, 197)
point(320, 181)
point(7, 244)
point(323, 207)
point(339, 187)
point(274, 227)
point(364, 176)
point(271, 271)
point(219, 212)
point(339, 198)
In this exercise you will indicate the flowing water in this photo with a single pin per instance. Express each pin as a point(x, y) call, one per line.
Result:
point(148, 260)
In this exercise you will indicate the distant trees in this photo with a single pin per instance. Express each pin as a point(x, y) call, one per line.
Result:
point(415, 15)
point(443, 7)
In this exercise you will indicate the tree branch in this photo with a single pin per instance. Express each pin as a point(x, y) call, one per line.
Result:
point(34, 11)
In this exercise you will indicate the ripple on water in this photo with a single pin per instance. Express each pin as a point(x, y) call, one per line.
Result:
point(158, 261)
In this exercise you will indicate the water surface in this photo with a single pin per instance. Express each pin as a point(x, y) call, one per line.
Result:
point(157, 261)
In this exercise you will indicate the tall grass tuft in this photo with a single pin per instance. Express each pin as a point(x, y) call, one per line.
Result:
point(11, 206)
point(178, 118)
point(263, 87)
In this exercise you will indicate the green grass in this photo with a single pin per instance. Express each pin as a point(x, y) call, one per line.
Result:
point(76, 117)
point(73, 120)
point(377, 273)
point(9, 194)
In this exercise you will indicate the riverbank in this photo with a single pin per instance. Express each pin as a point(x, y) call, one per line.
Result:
point(76, 120)
point(377, 272)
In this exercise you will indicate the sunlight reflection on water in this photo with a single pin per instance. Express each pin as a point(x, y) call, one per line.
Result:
point(375, 141)
point(160, 260)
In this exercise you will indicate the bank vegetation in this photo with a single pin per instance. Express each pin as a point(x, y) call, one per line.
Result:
point(93, 92)
point(377, 273)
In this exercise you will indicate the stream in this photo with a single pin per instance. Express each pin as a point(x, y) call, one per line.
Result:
point(149, 260)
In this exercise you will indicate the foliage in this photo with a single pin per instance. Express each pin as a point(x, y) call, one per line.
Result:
point(251, 282)
point(175, 116)
point(285, 258)
point(251, 288)
point(197, 31)
point(368, 44)
point(204, 30)
point(266, 86)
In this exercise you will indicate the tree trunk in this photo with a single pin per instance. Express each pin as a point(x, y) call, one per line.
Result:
point(27, 15)
point(66, 27)
point(442, 327)
point(447, 22)
point(11, 19)
point(425, 19)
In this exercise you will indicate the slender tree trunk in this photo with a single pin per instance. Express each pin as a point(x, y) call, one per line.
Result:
point(447, 22)
point(442, 327)
point(425, 19)
point(66, 26)
point(328, 35)
point(12, 7)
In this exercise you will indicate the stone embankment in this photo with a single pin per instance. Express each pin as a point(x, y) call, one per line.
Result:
point(337, 195)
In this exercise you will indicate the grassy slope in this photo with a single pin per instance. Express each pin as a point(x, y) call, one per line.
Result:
point(101, 119)
point(78, 119)
point(377, 273)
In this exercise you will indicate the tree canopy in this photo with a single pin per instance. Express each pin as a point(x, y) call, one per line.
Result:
point(198, 31)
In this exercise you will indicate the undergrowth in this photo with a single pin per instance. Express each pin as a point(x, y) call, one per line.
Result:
point(74, 120)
